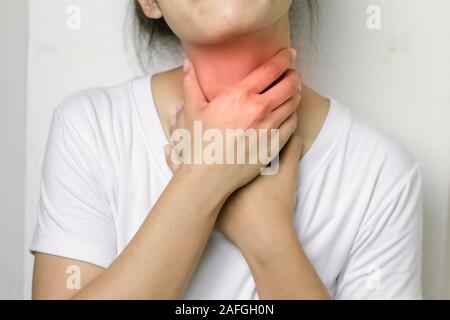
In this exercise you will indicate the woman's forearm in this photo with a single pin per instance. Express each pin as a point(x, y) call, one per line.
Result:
point(283, 271)
point(159, 261)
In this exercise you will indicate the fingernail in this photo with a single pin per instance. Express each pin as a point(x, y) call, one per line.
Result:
point(167, 149)
point(173, 121)
point(294, 53)
point(187, 65)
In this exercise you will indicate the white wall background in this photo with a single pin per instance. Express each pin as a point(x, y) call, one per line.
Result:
point(61, 60)
point(398, 76)
point(12, 144)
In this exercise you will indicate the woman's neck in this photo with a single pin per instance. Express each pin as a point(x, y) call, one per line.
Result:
point(222, 65)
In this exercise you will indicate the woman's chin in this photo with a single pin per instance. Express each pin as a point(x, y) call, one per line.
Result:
point(218, 34)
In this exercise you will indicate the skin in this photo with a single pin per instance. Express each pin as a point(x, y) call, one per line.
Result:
point(160, 259)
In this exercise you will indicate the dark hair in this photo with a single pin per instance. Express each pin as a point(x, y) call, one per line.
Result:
point(148, 29)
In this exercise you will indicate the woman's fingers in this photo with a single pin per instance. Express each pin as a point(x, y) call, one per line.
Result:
point(260, 79)
point(289, 160)
point(170, 153)
point(287, 87)
point(173, 158)
point(285, 132)
point(176, 122)
point(192, 92)
point(278, 116)
point(287, 129)
point(173, 124)
point(291, 153)
point(179, 114)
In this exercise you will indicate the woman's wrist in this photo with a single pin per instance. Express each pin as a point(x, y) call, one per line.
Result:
point(221, 178)
point(270, 244)
point(209, 180)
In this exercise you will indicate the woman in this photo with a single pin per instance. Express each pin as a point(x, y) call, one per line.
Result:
point(345, 224)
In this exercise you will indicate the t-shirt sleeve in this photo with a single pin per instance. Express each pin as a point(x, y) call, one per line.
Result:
point(385, 260)
point(74, 219)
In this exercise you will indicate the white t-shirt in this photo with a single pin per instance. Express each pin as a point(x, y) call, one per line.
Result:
point(358, 212)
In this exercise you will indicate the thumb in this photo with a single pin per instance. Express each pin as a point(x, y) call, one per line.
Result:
point(170, 153)
point(290, 155)
point(193, 94)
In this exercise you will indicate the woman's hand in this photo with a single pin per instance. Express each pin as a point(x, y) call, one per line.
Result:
point(259, 216)
point(257, 102)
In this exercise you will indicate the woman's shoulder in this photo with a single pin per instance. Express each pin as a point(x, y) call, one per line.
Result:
point(370, 146)
point(99, 115)
point(100, 102)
